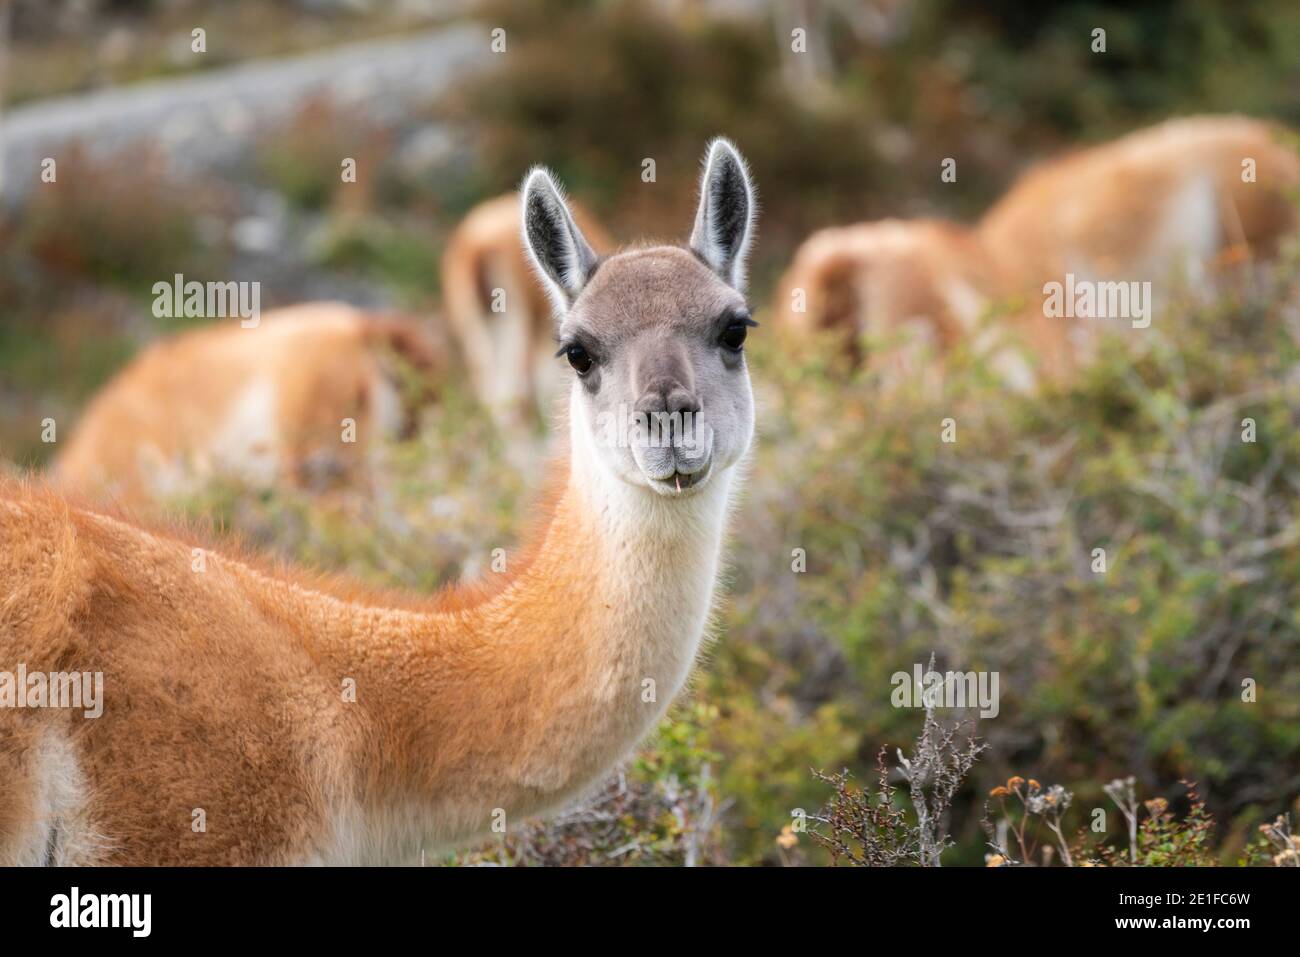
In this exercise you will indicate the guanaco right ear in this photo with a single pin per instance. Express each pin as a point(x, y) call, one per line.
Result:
point(555, 244)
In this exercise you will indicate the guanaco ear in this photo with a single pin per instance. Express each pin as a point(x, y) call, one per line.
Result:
point(555, 244)
point(724, 222)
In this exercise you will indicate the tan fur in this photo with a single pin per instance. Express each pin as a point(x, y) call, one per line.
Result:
point(873, 277)
point(486, 253)
point(223, 690)
point(1128, 209)
point(910, 291)
point(265, 404)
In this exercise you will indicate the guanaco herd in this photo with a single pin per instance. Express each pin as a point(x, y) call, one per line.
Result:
point(258, 714)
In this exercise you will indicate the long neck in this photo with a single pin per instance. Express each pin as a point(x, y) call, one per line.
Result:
point(521, 701)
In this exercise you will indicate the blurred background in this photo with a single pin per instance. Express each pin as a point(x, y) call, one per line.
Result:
point(224, 165)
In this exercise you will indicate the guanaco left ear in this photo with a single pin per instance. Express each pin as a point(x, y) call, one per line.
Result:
point(724, 222)
point(555, 244)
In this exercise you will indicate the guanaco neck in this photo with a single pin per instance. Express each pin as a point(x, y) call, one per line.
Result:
point(523, 700)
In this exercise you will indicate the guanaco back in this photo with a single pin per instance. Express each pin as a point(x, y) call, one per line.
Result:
point(265, 404)
point(1189, 194)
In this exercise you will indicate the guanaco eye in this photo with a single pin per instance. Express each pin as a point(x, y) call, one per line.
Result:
point(733, 337)
point(579, 358)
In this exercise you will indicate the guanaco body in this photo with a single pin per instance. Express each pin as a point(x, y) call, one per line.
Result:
point(1188, 194)
point(301, 720)
point(265, 404)
point(904, 292)
point(500, 313)
point(1162, 200)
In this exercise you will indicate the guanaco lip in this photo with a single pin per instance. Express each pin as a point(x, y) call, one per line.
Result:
point(680, 483)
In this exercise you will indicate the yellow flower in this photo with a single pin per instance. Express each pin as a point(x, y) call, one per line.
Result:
point(787, 838)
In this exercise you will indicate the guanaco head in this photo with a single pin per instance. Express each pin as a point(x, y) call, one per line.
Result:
point(655, 335)
point(874, 278)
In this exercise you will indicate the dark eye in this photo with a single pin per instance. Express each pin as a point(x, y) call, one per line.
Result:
point(733, 337)
point(578, 358)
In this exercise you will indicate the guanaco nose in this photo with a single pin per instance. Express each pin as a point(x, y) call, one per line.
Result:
point(667, 387)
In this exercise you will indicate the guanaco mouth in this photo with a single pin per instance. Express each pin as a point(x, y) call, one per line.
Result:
point(680, 483)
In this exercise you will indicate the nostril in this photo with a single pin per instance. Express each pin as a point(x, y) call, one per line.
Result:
point(651, 403)
point(668, 410)
point(679, 400)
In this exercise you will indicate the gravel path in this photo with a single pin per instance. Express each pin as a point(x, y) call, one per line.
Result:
point(205, 121)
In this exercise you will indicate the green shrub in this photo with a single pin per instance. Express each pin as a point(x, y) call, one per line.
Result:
point(981, 551)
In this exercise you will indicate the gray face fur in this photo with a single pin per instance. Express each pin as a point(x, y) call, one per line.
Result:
point(665, 393)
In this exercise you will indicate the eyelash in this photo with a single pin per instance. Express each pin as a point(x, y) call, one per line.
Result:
point(567, 344)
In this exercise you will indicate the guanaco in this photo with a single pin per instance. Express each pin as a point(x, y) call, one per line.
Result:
point(1191, 195)
point(904, 293)
point(296, 399)
point(501, 314)
point(260, 715)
